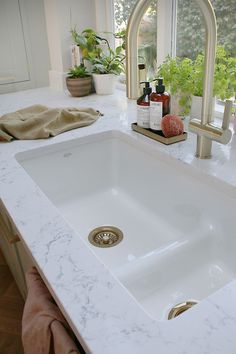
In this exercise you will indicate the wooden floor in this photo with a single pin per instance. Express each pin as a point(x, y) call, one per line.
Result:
point(11, 309)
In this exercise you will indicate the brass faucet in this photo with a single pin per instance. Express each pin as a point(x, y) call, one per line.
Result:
point(205, 129)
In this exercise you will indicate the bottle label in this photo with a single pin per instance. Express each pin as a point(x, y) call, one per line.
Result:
point(156, 111)
point(143, 116)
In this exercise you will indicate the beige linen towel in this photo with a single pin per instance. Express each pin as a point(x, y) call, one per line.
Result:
point(40, 122)
point(44, 329)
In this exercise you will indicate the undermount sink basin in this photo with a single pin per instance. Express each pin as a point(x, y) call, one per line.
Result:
point(178, 225)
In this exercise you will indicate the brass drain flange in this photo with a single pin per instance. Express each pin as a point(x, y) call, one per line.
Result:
point(105, 236)
point(180, 308)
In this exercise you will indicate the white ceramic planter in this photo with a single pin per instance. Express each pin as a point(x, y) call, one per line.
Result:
point(196, 107)
point(104, 83)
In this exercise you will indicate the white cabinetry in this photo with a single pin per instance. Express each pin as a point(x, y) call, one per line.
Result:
point(14, 252)
point(24, 59)
point(14, 64)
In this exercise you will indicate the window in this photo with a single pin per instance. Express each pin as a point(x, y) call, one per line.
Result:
point(147, 34)
point(190, 30)
point(175, 27)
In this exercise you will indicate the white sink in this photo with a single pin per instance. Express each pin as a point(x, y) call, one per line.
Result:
point(178, 224)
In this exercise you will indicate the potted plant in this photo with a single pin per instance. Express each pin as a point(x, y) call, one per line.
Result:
point(105, 62)
point(184, 78)
point(105, 68)
point(224, 80)
point(88, 42)
point(79, 81)
point(176, 73)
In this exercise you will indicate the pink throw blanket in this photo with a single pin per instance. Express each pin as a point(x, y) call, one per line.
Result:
point(44, 329)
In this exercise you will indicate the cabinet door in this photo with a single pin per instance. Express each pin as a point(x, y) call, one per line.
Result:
point(26, 260)
point(8, 240)
point(14, 66)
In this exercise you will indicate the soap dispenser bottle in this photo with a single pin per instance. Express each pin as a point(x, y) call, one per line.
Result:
point(143, 105)
point(159, 105)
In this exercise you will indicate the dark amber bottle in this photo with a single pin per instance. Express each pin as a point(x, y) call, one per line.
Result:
point(159, 105)
point(143, 105)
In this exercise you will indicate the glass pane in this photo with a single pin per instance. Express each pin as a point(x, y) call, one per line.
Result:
point(147, 32)
point(148, 40)
point(190, 29)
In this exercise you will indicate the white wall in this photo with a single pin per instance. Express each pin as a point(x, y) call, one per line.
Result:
point(79, 13)
point(38, 41)
point(47, 38)
point(61, 16)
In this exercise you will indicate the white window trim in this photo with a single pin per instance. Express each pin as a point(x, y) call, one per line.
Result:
point(166, 29)
point(104, 15)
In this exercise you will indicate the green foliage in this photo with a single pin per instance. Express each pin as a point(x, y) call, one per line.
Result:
point(88, 41)
point(123, 9)
point(185, 76)
point(104, 60)
point(121, 35)
point(225, 74)
point(107, 64)
point(78, 72)
point(191, 29)
point(176, 73)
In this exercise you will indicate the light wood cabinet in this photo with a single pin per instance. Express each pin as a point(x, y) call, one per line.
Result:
point(14, 252)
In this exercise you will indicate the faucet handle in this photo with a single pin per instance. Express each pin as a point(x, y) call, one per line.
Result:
point(227, 114)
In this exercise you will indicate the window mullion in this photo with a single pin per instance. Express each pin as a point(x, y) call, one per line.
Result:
point(104, 10)
point(174, 27)
point(166, 29)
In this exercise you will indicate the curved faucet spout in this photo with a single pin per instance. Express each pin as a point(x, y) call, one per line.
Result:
point(132, 48)
point(210, 52)
point(204, 145)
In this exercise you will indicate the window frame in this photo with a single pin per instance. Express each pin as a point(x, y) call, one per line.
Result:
point(166, 24)
point(166, 29)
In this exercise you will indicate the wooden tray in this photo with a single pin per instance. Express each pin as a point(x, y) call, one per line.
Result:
point(158, 136)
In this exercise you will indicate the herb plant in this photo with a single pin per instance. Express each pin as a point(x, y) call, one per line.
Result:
point(185, 76)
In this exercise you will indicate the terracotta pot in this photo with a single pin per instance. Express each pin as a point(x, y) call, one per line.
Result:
point(79, 87)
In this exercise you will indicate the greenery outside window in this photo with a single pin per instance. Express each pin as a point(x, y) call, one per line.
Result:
point(190, 29)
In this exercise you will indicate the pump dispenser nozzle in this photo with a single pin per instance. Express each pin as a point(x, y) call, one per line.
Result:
point(160, 88)
point(147, 90)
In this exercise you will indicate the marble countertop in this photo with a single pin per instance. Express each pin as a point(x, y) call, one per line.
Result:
point(104, 316)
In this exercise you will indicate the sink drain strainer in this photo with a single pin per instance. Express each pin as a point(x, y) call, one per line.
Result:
point(180, 308)
point(105, 236)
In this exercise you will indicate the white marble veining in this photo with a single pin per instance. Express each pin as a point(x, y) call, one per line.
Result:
point(105, 317)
